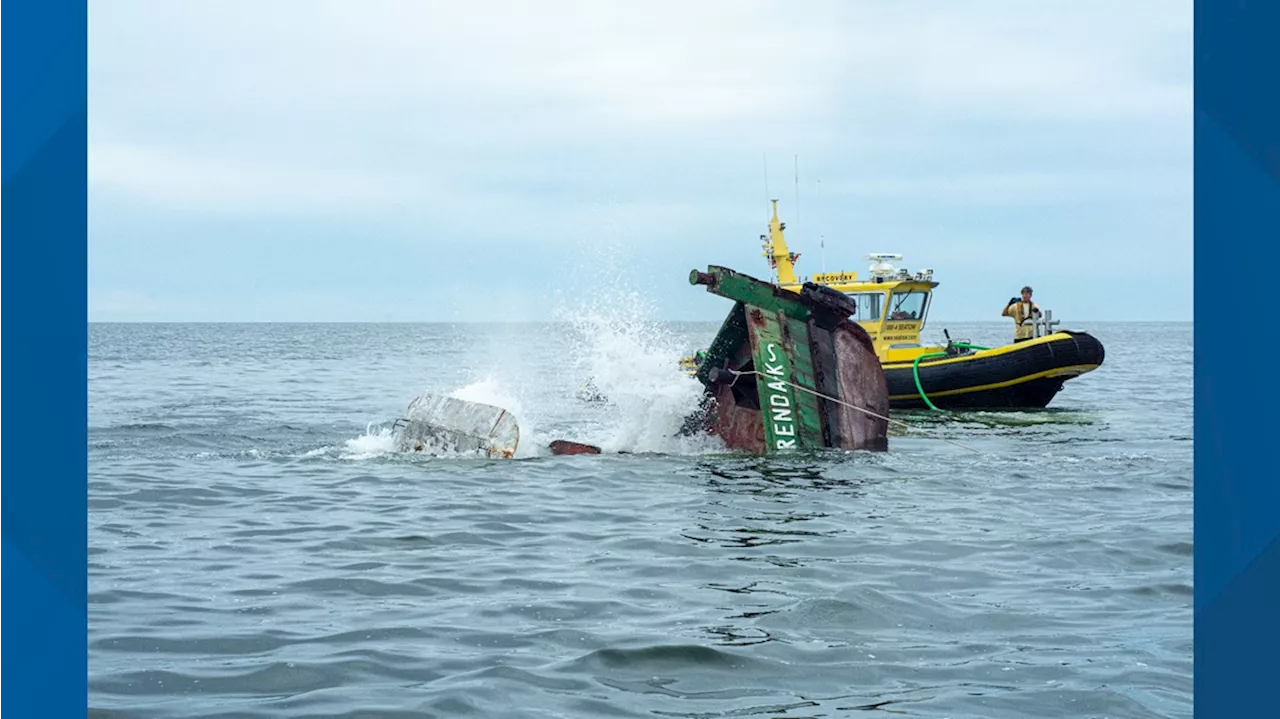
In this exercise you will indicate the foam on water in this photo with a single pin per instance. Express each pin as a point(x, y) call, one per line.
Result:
point(375, 442)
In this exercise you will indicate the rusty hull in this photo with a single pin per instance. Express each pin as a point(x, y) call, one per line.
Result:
point(789, 370)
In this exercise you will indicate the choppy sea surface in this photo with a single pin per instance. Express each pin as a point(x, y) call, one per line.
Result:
point(257, 548)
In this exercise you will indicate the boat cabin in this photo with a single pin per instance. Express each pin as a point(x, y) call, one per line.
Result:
point(893, 313)
point(891, 303)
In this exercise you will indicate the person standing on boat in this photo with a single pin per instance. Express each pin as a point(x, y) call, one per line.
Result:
point(1022, 311)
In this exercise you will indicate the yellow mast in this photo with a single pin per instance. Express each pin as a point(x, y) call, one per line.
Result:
point(775, 250)
point(783, 261)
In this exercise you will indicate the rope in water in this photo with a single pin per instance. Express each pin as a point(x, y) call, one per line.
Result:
point(736, 374)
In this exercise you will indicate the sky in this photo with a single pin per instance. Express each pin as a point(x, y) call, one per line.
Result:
point(303, 160)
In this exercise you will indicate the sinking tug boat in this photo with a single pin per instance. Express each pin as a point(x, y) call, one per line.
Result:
point(788, 370)
point(891, 306)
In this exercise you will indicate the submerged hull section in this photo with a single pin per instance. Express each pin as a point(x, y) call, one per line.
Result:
point(1022, 375)
point(789, 371)
point(781, 416)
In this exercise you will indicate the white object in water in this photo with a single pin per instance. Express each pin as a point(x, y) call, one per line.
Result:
point(449, 426)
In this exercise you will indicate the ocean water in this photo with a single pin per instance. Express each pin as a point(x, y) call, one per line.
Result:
point(258, 550)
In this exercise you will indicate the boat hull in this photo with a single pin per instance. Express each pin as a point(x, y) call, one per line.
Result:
point(1024, 375)
point(789, 371)
point(844, 365)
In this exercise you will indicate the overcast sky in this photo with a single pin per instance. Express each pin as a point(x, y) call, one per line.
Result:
point(414, 160)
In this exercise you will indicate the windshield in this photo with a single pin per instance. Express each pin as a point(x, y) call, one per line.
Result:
point(908, 305)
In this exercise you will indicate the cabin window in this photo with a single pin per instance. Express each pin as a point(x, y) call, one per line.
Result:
point(869, 306)
point(909, 305)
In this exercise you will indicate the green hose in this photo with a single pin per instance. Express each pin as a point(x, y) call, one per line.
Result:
point(915, 368)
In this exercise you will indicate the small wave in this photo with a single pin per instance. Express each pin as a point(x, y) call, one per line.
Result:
point(143, 427)
point(665, 657)
point(1181, 549)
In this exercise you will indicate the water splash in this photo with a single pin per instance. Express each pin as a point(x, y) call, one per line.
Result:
point(632, 360)
point(615, 341)
point(489, 390)
point(630, 357)
point(375, 442)
point(492, 391)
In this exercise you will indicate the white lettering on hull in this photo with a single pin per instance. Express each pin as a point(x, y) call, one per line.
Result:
point(780, 410)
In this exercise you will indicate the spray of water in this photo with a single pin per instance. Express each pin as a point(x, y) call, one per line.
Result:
point(493, 392)
point(632, 361)
point(629, 357)
point(615, 341)
point(375, 442)
point(632, 357)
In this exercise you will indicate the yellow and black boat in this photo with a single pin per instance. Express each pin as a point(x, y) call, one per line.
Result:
point(892, 304)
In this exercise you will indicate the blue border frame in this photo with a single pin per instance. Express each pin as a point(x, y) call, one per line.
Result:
point(1237, 211)
point(45, 360)
point(1237, 228)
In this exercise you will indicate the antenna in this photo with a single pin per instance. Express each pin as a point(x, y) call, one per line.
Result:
point(766, 178)
point(797, 171)
point(822, 237)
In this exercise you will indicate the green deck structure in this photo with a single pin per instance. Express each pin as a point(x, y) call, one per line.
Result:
point(785, 366)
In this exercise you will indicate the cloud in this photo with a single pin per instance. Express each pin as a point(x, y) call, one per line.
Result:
point(190, 180)
point(511, 135)
point(737, 69)
point(1038, 61)
point(1023, 189)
